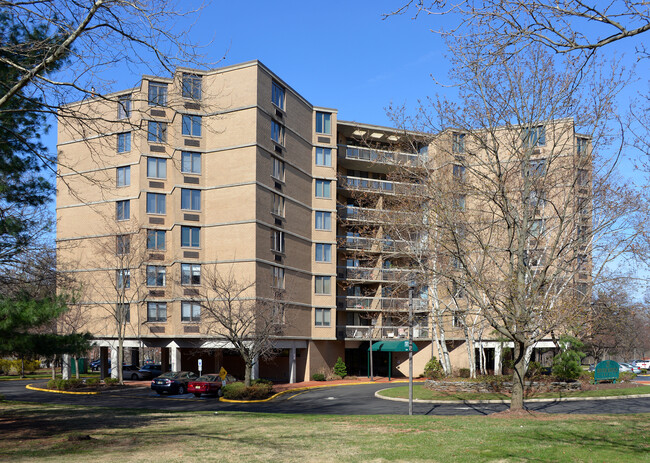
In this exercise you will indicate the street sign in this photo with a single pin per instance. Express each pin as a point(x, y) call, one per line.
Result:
point(222, 373)
point(200, 366)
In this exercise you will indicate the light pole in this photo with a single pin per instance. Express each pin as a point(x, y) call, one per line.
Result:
point(411, 287)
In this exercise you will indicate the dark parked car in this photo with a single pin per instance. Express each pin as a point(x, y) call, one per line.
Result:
point(131, 372)
point(95, 364)
point(206, 384)
point(173, 382)
point(151, 370)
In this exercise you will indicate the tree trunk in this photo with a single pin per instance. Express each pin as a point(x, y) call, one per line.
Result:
point(76, 365)
point(517, 398)
point(120, 360)
point(248, 373)
point(440, 334)
point(22, 367)
point(53, 367)
point(471, 357)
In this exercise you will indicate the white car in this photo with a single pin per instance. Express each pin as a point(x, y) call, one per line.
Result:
point(643, 364)
point(627, 367)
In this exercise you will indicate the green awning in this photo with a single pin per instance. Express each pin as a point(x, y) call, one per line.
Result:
point(392, 346)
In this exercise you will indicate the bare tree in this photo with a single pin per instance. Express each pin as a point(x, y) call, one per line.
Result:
point(230, 310)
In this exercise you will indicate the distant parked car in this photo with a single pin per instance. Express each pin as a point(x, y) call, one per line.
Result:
point(151, 370)
point(627, 367)
point(95, 365)
point(173, 382)
point(206, 384)
point(131, 372)
point(643, 364)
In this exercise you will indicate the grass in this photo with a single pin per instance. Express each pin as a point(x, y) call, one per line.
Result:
point(55, 433)
point(45, 374)
point(420, 392)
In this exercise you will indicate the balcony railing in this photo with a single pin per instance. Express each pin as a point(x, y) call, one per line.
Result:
point(378, 186)
point(375, 244)
point(381, 332)
point(380, 156)
point(375, 274)
point(364, 214)
point(380, 303)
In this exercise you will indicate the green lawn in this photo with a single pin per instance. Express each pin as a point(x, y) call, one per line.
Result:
point(419, 392)
point(45, 374)
point(40, 432)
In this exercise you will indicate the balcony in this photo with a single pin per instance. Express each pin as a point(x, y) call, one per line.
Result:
point(356, 153)
point(364, 214)
point(380, 332)
point(380, 303)
point(375, 244)
point(375, 274)
point(377, 186)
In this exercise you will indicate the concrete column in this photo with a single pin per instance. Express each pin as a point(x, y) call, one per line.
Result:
point(65, 366)
point(114, 364)
point(497, 359)
point(292, 365)
point(103, 365)
point(255, 374)
point(135, 356)
point(175, 354)
point(164, 359)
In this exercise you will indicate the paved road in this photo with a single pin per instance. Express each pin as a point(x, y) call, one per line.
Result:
point(346, 400)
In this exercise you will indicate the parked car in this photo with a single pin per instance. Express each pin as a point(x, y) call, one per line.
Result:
point(95, 365)
point(131, 372)
point(151, 370)
point(627, 367)
point(643, 364)
point(206, 384)
point(173, 382)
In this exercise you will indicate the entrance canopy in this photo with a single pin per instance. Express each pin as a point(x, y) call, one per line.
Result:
point(392, 346)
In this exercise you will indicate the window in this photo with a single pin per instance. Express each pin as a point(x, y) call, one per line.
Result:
point(156, 239)
point(457, 291)
point(456, 320)
point(191, 163)
point(157, 132)
point(124, 107)
point(456, 262)
point(123, 142)
point(191, 86)
point(323, 317)
point(278, 169)
point(536, 168)
point(323, 122)
point(157, 94)
point(190, 274)
point(156, 311)
point(277, 241)
point(323, 189)
point(536, 198)
point(190, 237)
point(156, 203)
point(323, 285)
point(156, 275)
point(190, 312)
point(156, 168)
point(192, 125)
point(458, 143)
point(583, 177)
point(123, 176)
point(278, 205)
point(537, 228)
point(277, 133)
point(123, 244)
point(535, 136)
point(123, 211)
point(190, 199)
point(323, 220)
point(323, 252)
point(277, 95)
point(534, 258)
point(459, 202)
point(581, 146)
point(123, 279)
point(123, 312)
point(459, 172)
point(277, 277)
point(324, 157)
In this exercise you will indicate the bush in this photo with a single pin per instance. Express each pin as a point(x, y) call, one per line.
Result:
point(626, 376)
point(567, 364)
point(262, 381)
point(51, 384)
point(13, 367)
point(92, 381)
point(239, 391)
point(111, 381)
point(463, 372)
point(534, 370)
point(318, 377)
point(340, 369)
point(433, 369)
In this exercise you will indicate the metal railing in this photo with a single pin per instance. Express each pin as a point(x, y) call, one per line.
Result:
point(380, 303)
point(382, 332)
point(381, 156)
point(375, 244)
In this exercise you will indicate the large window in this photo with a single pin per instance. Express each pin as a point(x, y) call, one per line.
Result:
point(323, 189)
point(537, 228)
point(323, 252)
point(459, 172)
point(278, 169)
point(190, 199)
point(323, 285)
point(190, 274)
point(458, 143)
point(324, 157)
point(278, 205)
point(123, 176)
point(156, 168)
point(123, 244)
point(156, 239)
point(323, 220)
point(123, 142)
point(277, 133)
point(156, 203)
point(123, 311)
point(277, 277)
point(583, 177)
point(124, 107)
point(192, 125)
point(190, 237)
point(277, 95)
point(323, 317)
point(157, 132)
point(459, 202)
point(156, 311)
point(534, 136)
point(157, 94)
point(191, 86)
point(123, 279)
point(123, 210)
point(323, 122)
point(535, 168)
point(581, 146)
point(156, 275)
point(190, 312)
point(277, 241)
point(190, 162)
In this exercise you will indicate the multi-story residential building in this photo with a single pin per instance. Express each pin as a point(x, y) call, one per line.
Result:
point(184, 177)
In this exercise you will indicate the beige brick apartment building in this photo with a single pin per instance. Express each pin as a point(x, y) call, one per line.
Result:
point(231, 170)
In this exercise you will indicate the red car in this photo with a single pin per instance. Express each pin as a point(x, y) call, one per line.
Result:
point(206, 384)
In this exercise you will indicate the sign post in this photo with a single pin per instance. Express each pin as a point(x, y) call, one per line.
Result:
point(200, 366)
point(222, 374)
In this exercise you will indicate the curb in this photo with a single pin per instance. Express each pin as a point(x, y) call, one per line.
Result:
point(33, 388)
point(504, 401)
